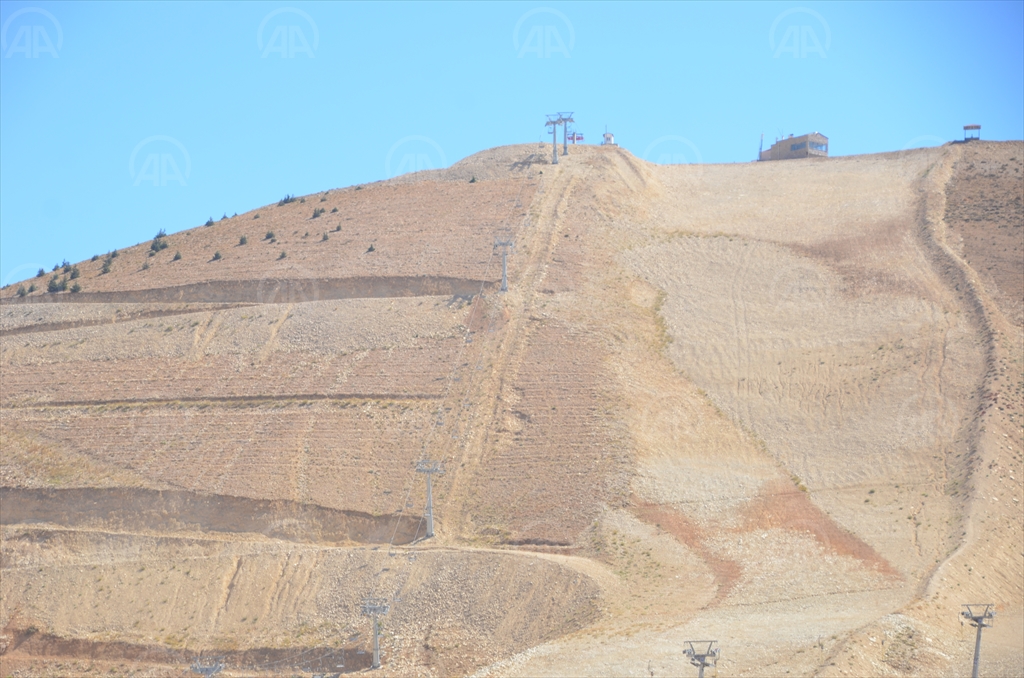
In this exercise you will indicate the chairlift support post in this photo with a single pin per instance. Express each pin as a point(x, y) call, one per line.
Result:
point(565, 119)
point(702, 653)
point(429, 468)
point(504, 245)
point(554, 119)
point(374, 608)
point(980, 615)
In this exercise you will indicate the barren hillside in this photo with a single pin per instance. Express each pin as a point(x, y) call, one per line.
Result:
point(775, 404)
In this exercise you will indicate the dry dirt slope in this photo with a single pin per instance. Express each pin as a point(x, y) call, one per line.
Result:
point(778, 404)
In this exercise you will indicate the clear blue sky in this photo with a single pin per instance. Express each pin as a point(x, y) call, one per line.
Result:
point(117, 120)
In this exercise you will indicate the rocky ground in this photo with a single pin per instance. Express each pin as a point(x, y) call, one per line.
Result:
point(774, 404)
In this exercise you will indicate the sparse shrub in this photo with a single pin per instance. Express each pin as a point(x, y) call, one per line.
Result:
point(113, 254)
point(224, 217)
point(256, 216)
point(306, 234)
point(324, 239)
point(338, 229)
point(41, 273)
point(359, 188)
point(283, 254)
point(302, 200)
point(75, 272)
point(95, 257)
point(158, 243)
point(333, 210)
point(160, 234)
point(209, 222)
point(76, 288)
point(472, 180)
point(21, 291)
point(145, 266)
point(56, 267)
point(31, 288)
point(371, 248)
point(323, 198)
point(66, 266)
point(177, 256)
point(56, 285)
point(285, 200)
point(243, 240)
point(269, 235)
point(318, 211)
point(216, 256)
point(106, 267)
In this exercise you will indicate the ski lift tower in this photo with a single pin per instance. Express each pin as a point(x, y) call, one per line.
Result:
point(980, 616)
point(565, 119)
point(430, 468)
point(702, 653)
point(374, 607)
point(554, 120)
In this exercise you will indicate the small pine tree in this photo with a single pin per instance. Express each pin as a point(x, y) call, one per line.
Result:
point(216, 256)
point(160, 234)
point(95, 257)
point(41, 273)
point(145, 266)
point(269, 235)
point(333, 210)
point(21, 291)
point(325, 238)
point(74, 272)
point(177, 256)
point(31, 288)
point(76, 288)
point(283, 255)
point(106, 267)
point(243, 240)
point(257, 216)
point(209, 222)
point(318, 211)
